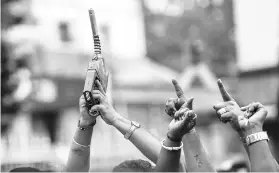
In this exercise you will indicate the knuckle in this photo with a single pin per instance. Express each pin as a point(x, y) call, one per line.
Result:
point(171, 100)
point(168, 104)
point(265, 111)
point(229, 108)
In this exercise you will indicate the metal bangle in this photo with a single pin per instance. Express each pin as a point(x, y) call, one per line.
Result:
point(80, 144)
point(171, 148)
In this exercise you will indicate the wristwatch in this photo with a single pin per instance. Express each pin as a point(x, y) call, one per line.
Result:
point(86, 127)
point(250, 139)
point(134, 126)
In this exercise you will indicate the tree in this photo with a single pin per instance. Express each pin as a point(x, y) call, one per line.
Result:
point(8, 81)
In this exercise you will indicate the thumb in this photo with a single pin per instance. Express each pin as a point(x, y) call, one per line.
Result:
point(96, 108)
point(190, 117)
point(225, 95)
point(188, 104)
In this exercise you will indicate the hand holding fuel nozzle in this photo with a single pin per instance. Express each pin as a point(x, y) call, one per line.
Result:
point(96, 69)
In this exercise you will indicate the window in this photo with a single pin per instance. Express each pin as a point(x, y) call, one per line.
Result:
point(64, 32)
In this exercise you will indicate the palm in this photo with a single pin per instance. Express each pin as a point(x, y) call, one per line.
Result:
point(244, 123)
point(239, 121)
point(258, 118)
point(183, 122)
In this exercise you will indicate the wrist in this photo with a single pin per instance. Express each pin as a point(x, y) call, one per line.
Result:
point(174, 138)
point(193, 130)
point(170, 143)
point(250, 130)
point(119, 119)
point(87, 123)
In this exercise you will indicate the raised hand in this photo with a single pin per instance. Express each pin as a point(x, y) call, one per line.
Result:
point(183, 122)
point(174, 104)
point(106, 110)
point(229, 111)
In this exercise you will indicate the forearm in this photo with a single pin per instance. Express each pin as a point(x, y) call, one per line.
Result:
point(248, 153)
point(276, 165)
point(259, 153)
point(196, 158)
point(142, 139)
point(148, 144)
point(261, 158)
point(168, 161)
point(79, 156)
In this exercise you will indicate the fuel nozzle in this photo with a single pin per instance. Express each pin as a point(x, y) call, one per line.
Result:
point(96, 38)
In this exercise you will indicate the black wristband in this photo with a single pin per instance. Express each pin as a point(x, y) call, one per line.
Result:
point(87, 127)
point(172, 139)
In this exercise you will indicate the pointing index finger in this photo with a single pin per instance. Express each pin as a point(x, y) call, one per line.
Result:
point(225, 95)
point(179, 92)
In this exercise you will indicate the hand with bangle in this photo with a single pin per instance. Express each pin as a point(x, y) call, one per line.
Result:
point(183, 122)
point(86, 122)
point(79, 156)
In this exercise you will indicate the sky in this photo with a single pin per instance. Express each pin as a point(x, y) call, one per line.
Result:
point(257, 33)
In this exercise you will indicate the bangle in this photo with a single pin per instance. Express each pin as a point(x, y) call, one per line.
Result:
point(134, 126)
point(171, 148)
point(256, 137)
point(80, 144)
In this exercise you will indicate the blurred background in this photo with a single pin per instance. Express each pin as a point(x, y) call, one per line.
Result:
point(46, 46)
